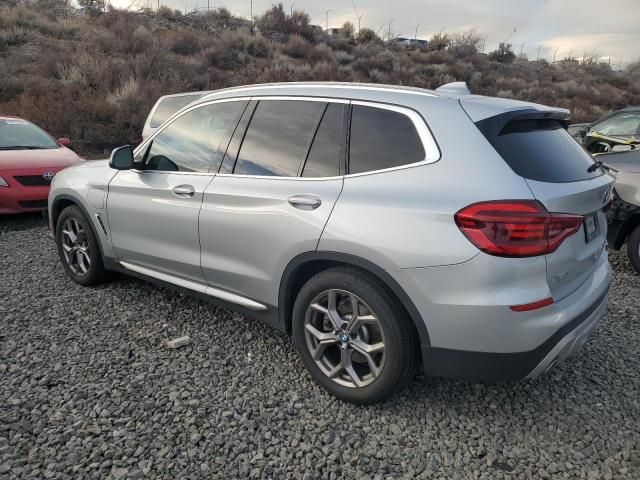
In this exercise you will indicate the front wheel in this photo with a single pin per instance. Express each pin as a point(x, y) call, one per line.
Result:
point(353, 337)
point(633, 248)
point(79, 249)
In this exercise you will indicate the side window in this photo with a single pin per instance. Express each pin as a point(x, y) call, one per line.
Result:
point(324, 156)
point(191, 141)
point(169, 106)
point(382, 138)
point(277, 138)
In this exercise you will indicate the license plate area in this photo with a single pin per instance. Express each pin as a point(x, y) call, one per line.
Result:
point(591, 227)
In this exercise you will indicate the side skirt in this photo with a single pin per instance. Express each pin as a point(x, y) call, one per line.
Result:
point(268, 314)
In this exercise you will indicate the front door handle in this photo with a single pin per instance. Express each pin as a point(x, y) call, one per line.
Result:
point(184, 190)
point(305, 202)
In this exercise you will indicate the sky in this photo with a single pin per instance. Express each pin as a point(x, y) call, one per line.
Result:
point(610, 28)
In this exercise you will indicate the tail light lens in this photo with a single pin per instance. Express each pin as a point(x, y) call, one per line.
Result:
point(516, 228)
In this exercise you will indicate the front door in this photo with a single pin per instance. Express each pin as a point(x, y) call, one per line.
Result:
point(153, 211)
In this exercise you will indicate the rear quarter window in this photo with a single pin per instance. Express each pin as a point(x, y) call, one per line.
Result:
point(542, 150)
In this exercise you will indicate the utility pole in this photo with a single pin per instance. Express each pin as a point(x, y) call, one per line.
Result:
point(389, 34)
point(251, 12)
point(357, 14)
point(327, 29)
point(538, 56)
point(522, 48)
point(291, 9)
point(484, 43)
point(415, 37)
point(554, 55)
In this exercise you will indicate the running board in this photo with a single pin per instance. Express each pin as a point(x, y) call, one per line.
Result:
point(196, 287)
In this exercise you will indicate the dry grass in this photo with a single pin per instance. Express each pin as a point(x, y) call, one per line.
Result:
point(94, 78)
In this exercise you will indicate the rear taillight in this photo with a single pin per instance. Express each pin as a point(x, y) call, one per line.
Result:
point(516, 228)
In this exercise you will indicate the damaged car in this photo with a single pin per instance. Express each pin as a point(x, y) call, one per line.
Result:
point(624, 214)
point(616, 132)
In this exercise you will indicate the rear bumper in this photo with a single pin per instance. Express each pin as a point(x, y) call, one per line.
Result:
point(503, 367)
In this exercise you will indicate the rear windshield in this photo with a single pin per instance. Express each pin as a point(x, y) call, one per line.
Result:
point(542, 150)
point(17, 134)
point(169, 106)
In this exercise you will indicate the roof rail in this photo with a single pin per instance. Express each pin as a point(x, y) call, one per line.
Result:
point(457, 88)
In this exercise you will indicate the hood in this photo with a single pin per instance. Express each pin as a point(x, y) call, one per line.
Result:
point(628, 162)
point(49, 158)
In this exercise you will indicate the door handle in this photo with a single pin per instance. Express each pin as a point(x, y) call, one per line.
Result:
point(184, 190)
point(305, 202)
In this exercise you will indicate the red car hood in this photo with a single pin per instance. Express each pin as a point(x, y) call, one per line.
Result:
point(56, 158)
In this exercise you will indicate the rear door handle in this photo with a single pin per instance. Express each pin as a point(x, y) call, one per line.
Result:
point(184, 190)
point(305, 202)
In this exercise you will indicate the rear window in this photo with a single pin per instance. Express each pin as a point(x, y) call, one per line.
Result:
point(542, 150)
point(169, 106)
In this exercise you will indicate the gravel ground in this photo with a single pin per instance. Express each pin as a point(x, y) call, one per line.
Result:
point(89, 390)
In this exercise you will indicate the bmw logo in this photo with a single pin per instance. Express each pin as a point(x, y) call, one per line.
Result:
point(48, 176)
point(344, 337)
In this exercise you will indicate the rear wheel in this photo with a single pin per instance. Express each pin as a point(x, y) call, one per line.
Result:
point(352, 336)
point(633, 248)
point(78, 248)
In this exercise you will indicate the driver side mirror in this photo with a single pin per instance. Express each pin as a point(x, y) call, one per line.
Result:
point(122, 158)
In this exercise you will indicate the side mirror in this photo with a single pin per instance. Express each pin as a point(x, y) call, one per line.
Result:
point(64, 141)
point(122, 158)
point(621, 148)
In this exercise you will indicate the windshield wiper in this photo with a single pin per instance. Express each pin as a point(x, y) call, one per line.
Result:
point(596, 165)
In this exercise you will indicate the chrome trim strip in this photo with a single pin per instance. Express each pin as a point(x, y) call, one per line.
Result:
point(196, 287)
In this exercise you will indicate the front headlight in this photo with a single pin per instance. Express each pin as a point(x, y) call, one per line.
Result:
point(3, 182)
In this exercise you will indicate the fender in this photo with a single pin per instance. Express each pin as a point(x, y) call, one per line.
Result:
point(285, 294)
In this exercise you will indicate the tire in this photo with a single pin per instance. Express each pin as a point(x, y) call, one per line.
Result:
point(90, 269)
point(633, 248)
point(381, 320)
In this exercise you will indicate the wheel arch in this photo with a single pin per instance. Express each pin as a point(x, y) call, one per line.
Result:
point(63, 201)
point(306, 265)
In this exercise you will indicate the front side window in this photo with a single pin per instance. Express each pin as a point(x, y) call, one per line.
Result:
point(18, 134)
point(382, 138)
point(191, 141)
point(277, 138)
point(622, 125)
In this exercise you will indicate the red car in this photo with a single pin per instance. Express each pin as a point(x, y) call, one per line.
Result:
point(29, 159)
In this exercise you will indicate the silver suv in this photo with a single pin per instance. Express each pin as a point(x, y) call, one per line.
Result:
point(377, 225)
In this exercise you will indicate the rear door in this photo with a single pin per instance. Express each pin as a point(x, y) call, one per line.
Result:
point(562, 176)
point(277, 187)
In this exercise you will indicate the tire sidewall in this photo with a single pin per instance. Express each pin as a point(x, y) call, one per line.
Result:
point(95, 268)
point(633, 249)
point(387, 314)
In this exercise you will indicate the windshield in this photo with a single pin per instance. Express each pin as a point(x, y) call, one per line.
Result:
point(16, 134)
point(624, 125)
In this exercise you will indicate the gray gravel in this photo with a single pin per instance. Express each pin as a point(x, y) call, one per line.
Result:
point(89, 389)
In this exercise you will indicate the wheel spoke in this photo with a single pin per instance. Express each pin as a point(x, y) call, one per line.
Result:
point(361, 320)
point(71, 235)
point(348, 367)
point(367, 351)
point(319, 308)
point(324, 340)
point(66, 247)
point(80, 262)
point(332, 310)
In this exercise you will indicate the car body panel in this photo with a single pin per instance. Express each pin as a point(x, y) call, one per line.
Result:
point(154, 227)
point(268, 230)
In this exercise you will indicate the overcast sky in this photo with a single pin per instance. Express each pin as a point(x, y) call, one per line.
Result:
point(610, 27)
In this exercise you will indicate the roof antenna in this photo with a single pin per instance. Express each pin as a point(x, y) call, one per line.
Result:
point(457, 88)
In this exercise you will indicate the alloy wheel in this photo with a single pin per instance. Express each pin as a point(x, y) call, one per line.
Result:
point(344, 338)
point(75, 246)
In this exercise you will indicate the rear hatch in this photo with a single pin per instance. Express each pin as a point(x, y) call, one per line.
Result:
point(562, 176)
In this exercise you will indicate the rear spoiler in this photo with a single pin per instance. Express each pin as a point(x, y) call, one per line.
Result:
point(492, 126)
